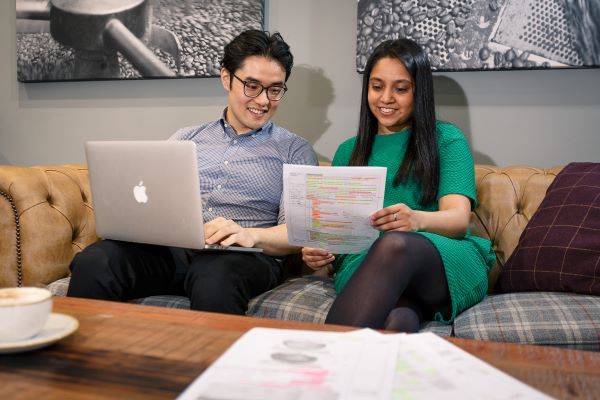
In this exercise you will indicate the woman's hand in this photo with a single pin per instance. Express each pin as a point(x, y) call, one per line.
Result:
point(451, 219)
point(316, 258)
point(397, 217)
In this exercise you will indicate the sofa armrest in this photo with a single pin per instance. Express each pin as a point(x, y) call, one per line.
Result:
point(46, 217)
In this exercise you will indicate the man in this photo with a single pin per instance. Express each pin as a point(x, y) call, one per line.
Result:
point(240, 158)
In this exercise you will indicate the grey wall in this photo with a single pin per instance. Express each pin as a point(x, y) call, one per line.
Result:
point(543, 118)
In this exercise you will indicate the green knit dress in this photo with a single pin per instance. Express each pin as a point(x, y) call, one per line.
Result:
point(467, 261)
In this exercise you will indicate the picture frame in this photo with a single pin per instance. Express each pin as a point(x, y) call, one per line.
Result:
point(463, 35)
point(65, 40)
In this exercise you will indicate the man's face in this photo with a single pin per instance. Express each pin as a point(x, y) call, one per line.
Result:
point(245, 113)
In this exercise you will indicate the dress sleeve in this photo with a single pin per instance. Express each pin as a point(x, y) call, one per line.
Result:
point(343, 153)
point(457, 169)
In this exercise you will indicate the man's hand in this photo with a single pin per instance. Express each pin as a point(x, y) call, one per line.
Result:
point(226, 232)
point(272, 240)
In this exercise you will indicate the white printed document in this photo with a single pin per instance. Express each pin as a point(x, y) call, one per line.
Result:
point(429, 367)
point(329, 207)
point(286, 364)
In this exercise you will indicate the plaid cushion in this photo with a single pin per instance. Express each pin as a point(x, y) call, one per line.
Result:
point(559, 250)
point(559, 319)
point(306, 299)
point(59, 287)
point(165, 301)
point(436, 327)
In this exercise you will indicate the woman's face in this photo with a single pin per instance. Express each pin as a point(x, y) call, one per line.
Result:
point(390, 95)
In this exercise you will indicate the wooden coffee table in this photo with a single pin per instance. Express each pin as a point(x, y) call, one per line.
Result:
point(130, 351)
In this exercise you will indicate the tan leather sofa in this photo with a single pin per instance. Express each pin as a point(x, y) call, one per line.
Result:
point(46, 217)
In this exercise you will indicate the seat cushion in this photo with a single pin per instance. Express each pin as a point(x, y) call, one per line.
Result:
point(548, 318)
point(309, 299)
point(306, 299)
point(59, 288)
point(165, 301)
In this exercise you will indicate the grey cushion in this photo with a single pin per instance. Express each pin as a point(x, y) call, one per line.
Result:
point(306, 299)
point(59, 288)
point(560, 319)
point(549, 318)
point(309, 299)
point(165, 301)
point(436, 327)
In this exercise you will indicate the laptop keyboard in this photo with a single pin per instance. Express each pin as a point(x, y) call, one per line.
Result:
point(216, 247)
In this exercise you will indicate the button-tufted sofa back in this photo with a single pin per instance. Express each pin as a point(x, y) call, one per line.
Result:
point(507, 199)
point(46, 216)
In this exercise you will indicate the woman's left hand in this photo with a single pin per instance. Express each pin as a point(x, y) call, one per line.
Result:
point(397, 217)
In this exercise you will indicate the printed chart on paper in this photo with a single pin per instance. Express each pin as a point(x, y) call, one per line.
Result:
point(329, 207)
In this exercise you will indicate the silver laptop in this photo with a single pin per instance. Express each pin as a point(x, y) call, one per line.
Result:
point(148, 192)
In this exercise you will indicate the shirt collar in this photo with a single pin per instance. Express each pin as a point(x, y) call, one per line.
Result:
point(265, 129)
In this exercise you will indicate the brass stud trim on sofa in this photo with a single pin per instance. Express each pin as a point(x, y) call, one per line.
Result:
point(18, 237)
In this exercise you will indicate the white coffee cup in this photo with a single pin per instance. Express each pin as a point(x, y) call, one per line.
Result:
point(23, 312)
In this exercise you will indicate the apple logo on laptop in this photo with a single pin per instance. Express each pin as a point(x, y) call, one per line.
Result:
point(139, 192)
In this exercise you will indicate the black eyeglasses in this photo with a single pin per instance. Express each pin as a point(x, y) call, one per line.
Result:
point(254, 89)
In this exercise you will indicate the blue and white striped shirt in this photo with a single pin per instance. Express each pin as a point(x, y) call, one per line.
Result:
point(241, 176)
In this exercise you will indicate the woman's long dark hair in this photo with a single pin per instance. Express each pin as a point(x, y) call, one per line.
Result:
point(421, 161)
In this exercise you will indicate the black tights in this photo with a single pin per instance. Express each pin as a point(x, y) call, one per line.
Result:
point(401, 280)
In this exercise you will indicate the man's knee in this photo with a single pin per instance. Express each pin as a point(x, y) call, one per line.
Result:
point(92, 268)
point(98, 256)
point(227, 283)
point(217, 291)
point(213, 281)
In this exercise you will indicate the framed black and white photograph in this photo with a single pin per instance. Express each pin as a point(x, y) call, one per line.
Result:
point(464, 35)
point(63, 40)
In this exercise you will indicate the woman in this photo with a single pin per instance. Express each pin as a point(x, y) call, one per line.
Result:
point(424, 265)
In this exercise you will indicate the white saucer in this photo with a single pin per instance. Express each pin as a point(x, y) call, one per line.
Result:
point(58, 327)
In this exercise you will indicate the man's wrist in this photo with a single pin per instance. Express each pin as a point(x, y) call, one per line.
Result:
point(254, 235)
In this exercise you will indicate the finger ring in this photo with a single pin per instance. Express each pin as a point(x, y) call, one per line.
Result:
point(395, 216)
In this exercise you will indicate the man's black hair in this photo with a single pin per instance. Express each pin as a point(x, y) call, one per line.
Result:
point(254, 42)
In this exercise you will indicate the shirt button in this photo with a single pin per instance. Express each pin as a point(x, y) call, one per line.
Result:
point(226, 162)
point(218, 186)
point(253, 136)
point(235, 142)
point(210, 209)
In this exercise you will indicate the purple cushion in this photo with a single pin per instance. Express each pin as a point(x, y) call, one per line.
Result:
point(559, 249)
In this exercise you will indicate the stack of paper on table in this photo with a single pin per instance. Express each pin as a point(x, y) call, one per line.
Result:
point(287, 364)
